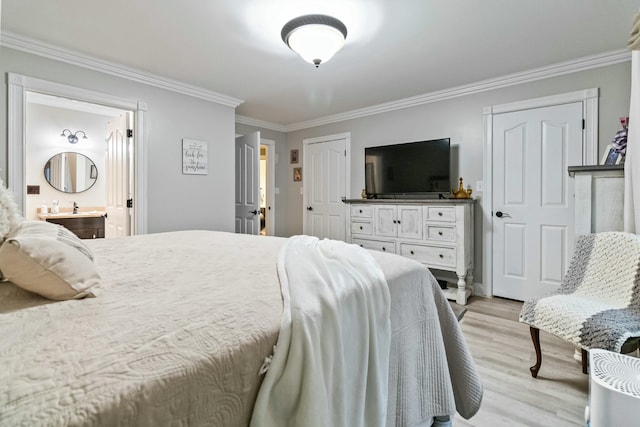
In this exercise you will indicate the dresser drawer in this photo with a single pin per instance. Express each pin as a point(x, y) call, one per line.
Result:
point(441, 213)
point(437, 256)
point(362, 227)
point(445, 233)
point(376, 245)
point(361, 211)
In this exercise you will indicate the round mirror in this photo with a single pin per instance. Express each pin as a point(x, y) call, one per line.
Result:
point(70, 172)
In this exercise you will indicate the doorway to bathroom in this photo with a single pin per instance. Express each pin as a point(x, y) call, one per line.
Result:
point(77, 161)
point(28, 180)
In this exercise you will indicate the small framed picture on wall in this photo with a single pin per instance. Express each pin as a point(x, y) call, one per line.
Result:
point(297, 174)
point(294, 156)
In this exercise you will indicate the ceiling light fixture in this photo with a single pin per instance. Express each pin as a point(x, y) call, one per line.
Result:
point(72, 137)
point(316, 38)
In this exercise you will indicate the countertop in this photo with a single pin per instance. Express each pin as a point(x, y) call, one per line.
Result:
point(81, 214)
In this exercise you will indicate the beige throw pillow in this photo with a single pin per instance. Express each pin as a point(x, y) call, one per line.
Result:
point(49, 260)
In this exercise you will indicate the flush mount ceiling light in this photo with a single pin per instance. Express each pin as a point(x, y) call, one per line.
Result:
point(316, 38)
point(73, 137)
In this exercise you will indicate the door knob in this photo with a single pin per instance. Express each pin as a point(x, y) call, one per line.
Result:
point(309, 208)
point(499, 214)
point(254, 212)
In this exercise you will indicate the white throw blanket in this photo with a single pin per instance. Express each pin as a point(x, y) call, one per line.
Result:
point(331, 363)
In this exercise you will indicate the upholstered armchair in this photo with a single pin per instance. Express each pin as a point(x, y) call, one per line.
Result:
point(598, 303)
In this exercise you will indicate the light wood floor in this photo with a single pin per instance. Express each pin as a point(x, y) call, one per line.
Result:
point(502, 349)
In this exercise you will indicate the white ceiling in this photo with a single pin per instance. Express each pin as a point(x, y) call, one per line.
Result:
point(394, 49)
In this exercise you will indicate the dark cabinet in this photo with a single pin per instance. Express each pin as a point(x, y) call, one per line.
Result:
point(83, 227)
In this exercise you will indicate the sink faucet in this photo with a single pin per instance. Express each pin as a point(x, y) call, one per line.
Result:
point(75, 208)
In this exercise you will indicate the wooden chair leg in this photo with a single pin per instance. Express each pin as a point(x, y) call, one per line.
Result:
point(585, 359)
point(535, 337)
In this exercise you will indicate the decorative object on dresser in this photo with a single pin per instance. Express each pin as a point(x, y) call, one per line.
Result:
point(437, 233)
point(461, 193)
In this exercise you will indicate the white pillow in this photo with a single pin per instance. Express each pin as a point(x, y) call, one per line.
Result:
point(49, 260)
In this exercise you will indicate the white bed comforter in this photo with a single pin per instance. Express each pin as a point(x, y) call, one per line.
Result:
point(331, 364)
point(182, 328)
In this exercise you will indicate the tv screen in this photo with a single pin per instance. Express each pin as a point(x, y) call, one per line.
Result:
point(412, 168)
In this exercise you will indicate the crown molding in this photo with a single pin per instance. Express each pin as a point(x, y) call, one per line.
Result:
point(39, 48)
point(36, 47)
point(554, 70)
point(260, 123)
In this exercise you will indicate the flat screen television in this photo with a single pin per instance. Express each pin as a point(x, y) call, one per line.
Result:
point(411, 169)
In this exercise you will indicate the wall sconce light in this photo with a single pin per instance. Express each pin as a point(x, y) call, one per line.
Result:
point(73, 137)
point(316, 38)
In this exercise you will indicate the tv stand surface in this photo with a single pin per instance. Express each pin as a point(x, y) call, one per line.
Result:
point(437, 233)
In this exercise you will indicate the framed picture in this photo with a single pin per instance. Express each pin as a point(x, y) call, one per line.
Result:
point(297, 174)
point(611, 156)
point(195, 159)
point(294, 156)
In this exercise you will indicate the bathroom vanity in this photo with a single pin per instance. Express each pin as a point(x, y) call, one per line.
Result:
point(85, 225)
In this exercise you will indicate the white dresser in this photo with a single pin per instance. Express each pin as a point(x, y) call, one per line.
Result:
point(437, 233)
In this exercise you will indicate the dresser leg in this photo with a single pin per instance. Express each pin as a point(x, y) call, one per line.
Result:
point(461, 295)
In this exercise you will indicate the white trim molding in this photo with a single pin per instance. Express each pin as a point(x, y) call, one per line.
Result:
point(589, 99)
point(19, 85)
point(45, 50)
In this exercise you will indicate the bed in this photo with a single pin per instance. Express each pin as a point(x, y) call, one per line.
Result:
point(183, 323)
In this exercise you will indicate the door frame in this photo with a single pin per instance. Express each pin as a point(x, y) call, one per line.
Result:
point(589, 99)
point(347, 173)
point(19, 85)
point(271, 185)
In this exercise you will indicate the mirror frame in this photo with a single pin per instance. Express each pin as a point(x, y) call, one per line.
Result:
point(93, 173)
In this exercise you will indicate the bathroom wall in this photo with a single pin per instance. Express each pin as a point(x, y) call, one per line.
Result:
point(43, 140)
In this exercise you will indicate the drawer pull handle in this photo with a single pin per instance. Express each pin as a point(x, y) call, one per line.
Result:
point(360, 227)
point(395, 222)
point(439, 233)
point(361, 246)
point(360, 211)
point(411, 252)
point(439, 213)
point(384, 249)
point(398, 221)
point(441, 256)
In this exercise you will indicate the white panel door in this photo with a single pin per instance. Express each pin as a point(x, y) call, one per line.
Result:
point(247, 219)
point(117, 223)
point(324, 181)
point(533, 198)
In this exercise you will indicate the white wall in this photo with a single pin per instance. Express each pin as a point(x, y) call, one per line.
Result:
point(43, 140)
point(175, 201)
point(460, 119)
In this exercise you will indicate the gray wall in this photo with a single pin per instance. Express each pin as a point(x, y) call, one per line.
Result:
point(281, 167)
point(175, 201)
point(461, 119)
